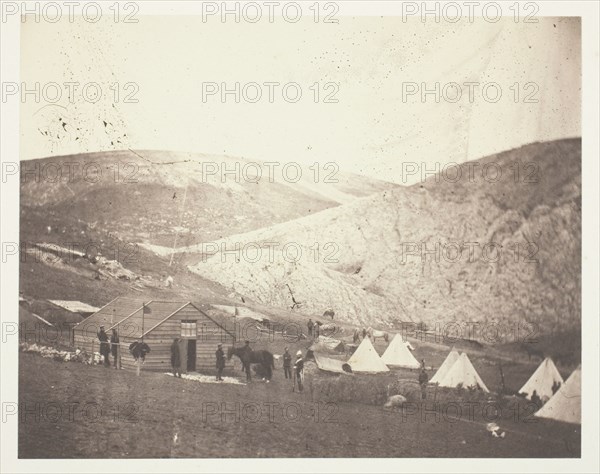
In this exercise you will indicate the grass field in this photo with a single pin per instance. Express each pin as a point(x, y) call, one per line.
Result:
point(72, 410)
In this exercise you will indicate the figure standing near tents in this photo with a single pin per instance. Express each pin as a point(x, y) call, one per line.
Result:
point(316, 330)
point(423, 379)
point(309, 325)
point(176, 358)
point(299, 371)
point(220, 356)
point(114, 347)
point(287, 364)
point(555, 386)
point(535, 398)
point(104, 346)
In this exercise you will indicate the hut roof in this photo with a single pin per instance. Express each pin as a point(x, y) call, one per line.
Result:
point(75, 306)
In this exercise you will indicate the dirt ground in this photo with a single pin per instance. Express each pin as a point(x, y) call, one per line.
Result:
point(71, 410)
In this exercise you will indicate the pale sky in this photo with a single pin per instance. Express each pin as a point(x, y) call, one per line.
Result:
point(371, 130)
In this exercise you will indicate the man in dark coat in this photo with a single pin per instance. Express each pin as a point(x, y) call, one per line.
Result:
point(176, 358)
point(310, 327)
point(535, 398)
point(287, 364)
point(114, 346)
point(104, 346)
point(423, 379)
point(220, 361)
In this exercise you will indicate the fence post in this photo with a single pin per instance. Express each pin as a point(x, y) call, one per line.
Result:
point(119, 356)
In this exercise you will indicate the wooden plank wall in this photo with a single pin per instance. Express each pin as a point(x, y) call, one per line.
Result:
point(209, 334)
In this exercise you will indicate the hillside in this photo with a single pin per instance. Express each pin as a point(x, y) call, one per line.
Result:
point(149, 197)
point(66, 223)
point(361, 252)
point(370, 268)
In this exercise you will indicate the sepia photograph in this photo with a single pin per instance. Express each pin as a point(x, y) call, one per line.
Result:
point(302, 236)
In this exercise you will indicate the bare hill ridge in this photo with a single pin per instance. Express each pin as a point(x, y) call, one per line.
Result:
point(476, 249)
point(149, 196)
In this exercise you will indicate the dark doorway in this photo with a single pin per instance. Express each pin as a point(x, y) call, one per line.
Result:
point(191, 355)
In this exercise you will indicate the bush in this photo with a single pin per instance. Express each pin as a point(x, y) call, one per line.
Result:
point(367, 389)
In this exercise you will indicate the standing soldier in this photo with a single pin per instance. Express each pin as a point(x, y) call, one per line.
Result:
point(220, 361)
point(114, 347)
point(310, 327)
point(287, 364)
point(423, 379)
point(104, 346)
point(316, 330)
point(176, 358)
point(299, 370)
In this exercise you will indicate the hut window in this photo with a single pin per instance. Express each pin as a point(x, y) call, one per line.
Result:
point(188, 329)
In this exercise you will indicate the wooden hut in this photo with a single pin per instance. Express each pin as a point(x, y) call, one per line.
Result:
point(158, 323)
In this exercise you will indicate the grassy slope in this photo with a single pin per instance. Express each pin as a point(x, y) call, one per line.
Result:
point(141, 416)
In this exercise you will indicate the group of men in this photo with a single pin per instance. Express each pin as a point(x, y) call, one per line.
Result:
point(541, 401)
point(313, 329)
point(108, 347)
point(298, 368)
point(139, 349)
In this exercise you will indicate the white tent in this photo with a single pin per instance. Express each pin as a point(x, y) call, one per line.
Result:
point(463, 372)
point(332, 365)
point(445, 367)
point(542, 380)
point(398, 355)
point(565, 405)
point(365, 359)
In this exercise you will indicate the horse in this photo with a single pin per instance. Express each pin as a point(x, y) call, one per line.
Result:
point(248, 356)
point(329, 313)
point(374, 334)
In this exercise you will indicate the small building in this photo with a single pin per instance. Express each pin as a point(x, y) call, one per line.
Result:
point(76, 307)
point(69, 313)
point(158, 323)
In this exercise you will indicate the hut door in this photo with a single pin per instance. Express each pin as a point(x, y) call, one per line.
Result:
point(191, 355)
point(183, 345)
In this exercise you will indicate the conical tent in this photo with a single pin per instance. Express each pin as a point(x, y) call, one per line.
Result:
point(445, 367)
point(462, 372)
point(366, 359)
point(565, 405)
point(542, 380)
point(398, 355)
